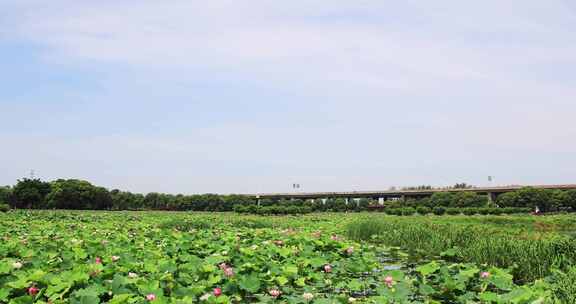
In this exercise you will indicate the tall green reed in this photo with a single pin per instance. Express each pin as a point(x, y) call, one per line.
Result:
point(529, 256)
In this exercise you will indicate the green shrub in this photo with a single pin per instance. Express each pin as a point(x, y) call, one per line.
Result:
point(273, 209)
point(484, 211)
point(453, 211)
point(251, 209)
point(240, 209)
point(4, 207)
point(290, 210)
point(469, 211)
point(408, 211)
point(439, 210)
point(392, 211)
point(496, 211)
point(423, 210)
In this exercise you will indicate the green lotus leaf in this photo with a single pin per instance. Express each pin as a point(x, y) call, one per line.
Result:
point(250, 283)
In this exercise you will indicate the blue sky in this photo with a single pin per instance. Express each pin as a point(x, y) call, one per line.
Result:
point(253, 96)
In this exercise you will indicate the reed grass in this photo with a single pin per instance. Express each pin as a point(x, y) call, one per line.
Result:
point(530, 255)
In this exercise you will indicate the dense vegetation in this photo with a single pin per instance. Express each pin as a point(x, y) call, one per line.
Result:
point(82, 195)
point(530, 255)
point(530, 247)
point(152, 257)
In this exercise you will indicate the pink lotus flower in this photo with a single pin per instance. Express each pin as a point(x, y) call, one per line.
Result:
point(327, 268)
point(33, 290)
point(115, 258)
point(316, 234)
point(17, 265)
point(132, 275)
point(279, 242)
point(308, 296)
point(98, 260)
point(275, 293)
point(484, 274)
point(349, 250)
point(217, 291)
point(335, 237)
point(389, 281)
point(229, 272)
point(223, 266)
point(151, 297)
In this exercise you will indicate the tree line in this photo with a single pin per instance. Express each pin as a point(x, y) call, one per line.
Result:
point(546, 200)
point(82, 195)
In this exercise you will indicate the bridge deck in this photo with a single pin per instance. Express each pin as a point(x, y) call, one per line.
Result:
point(400, 193)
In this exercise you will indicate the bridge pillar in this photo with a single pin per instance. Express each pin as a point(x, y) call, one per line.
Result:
point(491, 197)
point(324, 200)
point(380, 201)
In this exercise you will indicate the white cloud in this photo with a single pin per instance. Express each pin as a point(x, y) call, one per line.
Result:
point(345, 47)
point(261, 34)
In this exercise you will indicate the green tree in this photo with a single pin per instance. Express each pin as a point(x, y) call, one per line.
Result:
point(30, 193)
point(339, 204)
point(445, 199)
point(469, 199)
point(152, 200)
point(570, 199)
point(508, 199)
point(230, 201)
point(363, 204)
point(558, 199)
point(530, 197)
point(77, 194)
point(5, 194)
point(267, 202)
point(213, 202)
point(123, 200)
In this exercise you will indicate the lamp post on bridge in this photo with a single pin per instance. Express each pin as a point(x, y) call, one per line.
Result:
point(296, 187)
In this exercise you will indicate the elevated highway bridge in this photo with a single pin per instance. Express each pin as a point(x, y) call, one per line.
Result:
point(491, 192)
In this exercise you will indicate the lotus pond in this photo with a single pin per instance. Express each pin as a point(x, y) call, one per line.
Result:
point(163, 257)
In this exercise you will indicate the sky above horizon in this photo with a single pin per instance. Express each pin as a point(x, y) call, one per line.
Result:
point(252, 96)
